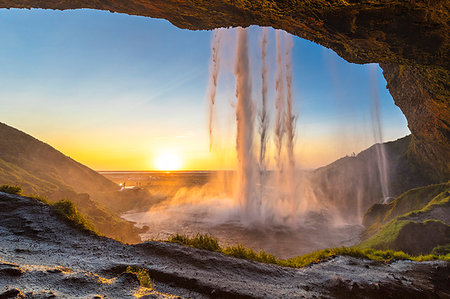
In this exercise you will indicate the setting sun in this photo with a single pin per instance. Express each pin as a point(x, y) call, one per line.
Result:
point(168, 162)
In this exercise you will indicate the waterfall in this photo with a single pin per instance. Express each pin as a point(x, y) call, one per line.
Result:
point(214, 71)
point(279, 102)
point(382, 163)
point(245, 121)
point(256, 204)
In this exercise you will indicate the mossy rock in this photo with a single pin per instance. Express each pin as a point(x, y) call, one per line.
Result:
point(412, 237)
point(410, 201)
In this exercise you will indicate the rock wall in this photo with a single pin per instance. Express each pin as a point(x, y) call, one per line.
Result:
point(409, 38)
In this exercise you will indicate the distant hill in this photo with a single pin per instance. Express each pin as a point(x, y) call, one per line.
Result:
point(353, 184)
point(41, 170)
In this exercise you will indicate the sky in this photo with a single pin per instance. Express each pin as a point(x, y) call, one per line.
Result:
point(119, 92)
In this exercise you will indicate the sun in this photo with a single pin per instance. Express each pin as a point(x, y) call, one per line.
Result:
point(168, 162)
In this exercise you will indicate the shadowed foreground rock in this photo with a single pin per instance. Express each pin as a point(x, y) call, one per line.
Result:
point(409, 38)
point(42, 256)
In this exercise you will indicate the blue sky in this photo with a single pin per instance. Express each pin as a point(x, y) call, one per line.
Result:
point(114, 91)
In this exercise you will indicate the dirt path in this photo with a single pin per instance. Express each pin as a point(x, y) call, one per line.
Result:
point(41, 256)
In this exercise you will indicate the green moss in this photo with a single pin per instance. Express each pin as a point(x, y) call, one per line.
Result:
point(410, 236)
point(386, 235)
point(69, 212)
point(142, 275)
point(11, 189)
point(414, 199)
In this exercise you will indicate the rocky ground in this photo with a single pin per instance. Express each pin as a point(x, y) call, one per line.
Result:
point(41, 256)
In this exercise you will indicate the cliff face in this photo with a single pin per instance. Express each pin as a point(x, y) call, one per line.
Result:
point(410, 39)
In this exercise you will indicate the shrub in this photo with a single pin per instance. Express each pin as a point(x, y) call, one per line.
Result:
point(11, 189)
point(142, 275)
point(69, 211)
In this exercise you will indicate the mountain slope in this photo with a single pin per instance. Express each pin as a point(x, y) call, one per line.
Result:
point(416, 222)
point(41, 170)
point(353, 184)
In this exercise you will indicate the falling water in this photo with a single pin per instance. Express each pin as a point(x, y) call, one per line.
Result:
point(245, 115)
point(263, 115)
point(279, 102)
point(289, 119)
point(263, 112)
point(259, 204)
point(382, 162)
point(214, 77)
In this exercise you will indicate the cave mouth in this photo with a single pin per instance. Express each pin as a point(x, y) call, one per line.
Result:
point(131, 89)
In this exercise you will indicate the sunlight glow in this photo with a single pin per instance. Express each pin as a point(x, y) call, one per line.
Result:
point(168, 162)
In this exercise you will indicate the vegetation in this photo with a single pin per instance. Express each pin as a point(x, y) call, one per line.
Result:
point(69, 211)
point(11, 189)
point(201, 241)
point(42, 199)
point(239, 251)
point(386, 235)
point(412, 200)
point(142, 275)
point(41, 169)
point(441, 250)
point(410, 217)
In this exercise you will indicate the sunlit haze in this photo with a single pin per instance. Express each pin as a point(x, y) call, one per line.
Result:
point(118, 92)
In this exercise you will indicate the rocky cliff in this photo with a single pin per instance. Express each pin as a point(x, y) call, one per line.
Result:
point(410, 40)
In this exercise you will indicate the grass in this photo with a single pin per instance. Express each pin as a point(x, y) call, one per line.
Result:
point(69, 212)
point(65, 208)
point(142, 275)
point(415, 199)
point(11, 189)
point(386, 235)
point(240, 251)
point(200, 241)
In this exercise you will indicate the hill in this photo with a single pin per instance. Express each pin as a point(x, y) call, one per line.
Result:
point(417, 222)
point(354, 183)
point(43, 171)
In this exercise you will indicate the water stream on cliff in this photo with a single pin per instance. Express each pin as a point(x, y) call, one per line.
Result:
point(382, 162)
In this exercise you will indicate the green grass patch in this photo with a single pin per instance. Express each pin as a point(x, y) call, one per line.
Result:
point(318, 256)
point(415, 199)
point(69, 212)
point(142, 275)
point(240, 251)
point(386, 235)
point(201, 241)
point(11, 189)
